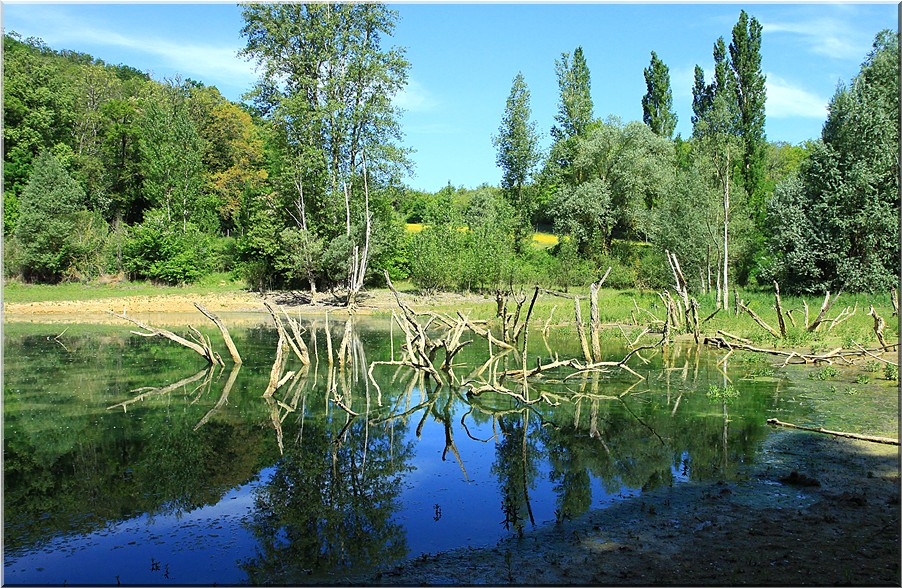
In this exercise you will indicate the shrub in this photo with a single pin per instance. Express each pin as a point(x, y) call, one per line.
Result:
point(157, 251)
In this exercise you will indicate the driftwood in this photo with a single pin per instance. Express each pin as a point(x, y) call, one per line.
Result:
point(202, 348)
point(296, 343)
point(836, 354)
point(871, 438)
point(877, 357)
point(778, 305)
point(233, 351)
point(594, 318)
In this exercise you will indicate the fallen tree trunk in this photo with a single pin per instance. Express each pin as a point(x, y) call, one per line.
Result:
point(838, 353)
point(871, 438)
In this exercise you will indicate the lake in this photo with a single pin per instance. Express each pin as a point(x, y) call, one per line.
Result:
point(128, 460)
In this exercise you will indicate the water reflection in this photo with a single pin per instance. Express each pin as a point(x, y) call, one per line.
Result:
point(328, 508)
point(366, 462)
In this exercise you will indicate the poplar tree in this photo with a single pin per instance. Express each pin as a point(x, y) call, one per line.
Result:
point(657, 104)
point(748, 79)
point(517, 145)
point(575, 107)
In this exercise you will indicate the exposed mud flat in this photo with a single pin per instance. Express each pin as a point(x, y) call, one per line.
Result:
point(170, 309)
point(835, 521)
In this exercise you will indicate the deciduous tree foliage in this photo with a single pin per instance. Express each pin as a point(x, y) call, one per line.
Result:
point(837, 226)
point(327, 85)
point(618, 174)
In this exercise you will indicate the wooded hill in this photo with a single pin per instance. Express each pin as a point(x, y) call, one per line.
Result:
point(107, 171)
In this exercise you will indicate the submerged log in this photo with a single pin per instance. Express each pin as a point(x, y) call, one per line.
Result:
point(871, 438)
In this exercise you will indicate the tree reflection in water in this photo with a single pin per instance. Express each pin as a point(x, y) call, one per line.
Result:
point(326, 511)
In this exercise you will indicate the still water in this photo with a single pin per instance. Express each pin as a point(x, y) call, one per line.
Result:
point(127, 460)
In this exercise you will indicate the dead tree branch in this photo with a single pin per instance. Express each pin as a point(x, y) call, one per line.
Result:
point(203, 351)
point(871, 438)
point(233, 351)
point(760, 321)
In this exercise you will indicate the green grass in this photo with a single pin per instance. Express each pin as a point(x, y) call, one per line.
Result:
point(18, 292)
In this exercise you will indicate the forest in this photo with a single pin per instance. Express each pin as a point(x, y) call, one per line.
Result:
point(109, 174)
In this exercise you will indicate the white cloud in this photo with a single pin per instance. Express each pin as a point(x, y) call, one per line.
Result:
point(785, 100)
point(826, 36)
point(219, 61)
point(415, 98)
point(211, 63)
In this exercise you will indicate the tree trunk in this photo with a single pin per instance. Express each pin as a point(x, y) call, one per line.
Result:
point(726, 222)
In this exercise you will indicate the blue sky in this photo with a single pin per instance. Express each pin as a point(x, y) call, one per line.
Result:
point(465, 56)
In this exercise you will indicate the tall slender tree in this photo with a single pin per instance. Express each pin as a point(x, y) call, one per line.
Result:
point(575, 107)
point(714, 131)
point(517, 144)
point(700, 98)
point(748, 85)
point(657, 104)
point(327, 84)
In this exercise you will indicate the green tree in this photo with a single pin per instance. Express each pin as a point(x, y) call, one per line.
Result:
point(171, 157)
point(844, 211)
point(745, 62)
point(326, 86)
point(159, 250)
point(618, 174)
point(713, 132)
point(37, 108)
point(657, 104)
point(48, 214)
point(575, 107)
point(517, 145)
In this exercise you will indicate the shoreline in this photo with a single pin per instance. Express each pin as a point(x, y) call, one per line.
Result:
point(763, 529)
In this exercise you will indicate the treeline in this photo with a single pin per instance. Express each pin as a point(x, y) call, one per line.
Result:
point(109, 172)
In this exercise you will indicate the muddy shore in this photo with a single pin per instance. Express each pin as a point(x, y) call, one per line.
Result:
point(834, 522)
